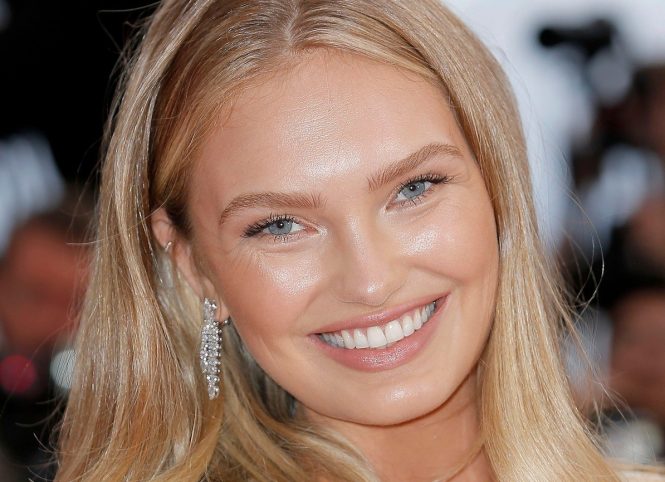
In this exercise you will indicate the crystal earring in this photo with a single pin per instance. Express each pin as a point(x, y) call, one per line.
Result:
point(211, 346)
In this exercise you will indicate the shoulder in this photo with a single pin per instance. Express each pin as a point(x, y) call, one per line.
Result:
point(644, 474)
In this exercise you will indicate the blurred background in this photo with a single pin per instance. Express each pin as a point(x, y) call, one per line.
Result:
point(590, 81)
point(589, 77)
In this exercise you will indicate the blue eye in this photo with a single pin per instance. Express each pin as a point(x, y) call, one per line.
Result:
point(280, 227)
point(413, 190)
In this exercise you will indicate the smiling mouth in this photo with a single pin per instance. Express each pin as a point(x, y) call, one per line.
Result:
point(380, 336)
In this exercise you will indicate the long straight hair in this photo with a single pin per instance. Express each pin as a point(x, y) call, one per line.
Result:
point(138, 409)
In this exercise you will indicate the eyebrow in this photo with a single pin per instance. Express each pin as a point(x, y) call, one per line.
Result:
point(399, 168)
point(314, 201)
point(270, 199)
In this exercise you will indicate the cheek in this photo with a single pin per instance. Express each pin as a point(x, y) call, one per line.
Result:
point(265, 294)
point(457, 240)
point(458, 250)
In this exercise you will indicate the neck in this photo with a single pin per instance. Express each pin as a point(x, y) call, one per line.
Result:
point(443, 445)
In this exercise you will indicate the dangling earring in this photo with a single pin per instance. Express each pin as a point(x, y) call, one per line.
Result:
point(211, 346)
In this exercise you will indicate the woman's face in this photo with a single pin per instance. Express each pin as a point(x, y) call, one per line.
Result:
point(343, 223)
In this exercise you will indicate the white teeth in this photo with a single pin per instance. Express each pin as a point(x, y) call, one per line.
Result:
point(348, 339)
point(407, 325)
point(376, 337)
point(393, 331)
point(417, 320)
point(360, 339)
point(381, 336)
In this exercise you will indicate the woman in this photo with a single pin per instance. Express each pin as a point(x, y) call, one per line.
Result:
point(341, 190)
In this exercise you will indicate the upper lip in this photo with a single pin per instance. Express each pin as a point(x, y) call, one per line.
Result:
point(379, 317)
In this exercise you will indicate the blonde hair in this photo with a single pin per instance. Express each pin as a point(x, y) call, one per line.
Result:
point(138, 409)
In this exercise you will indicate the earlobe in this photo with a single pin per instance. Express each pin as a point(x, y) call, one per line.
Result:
point(179, 250)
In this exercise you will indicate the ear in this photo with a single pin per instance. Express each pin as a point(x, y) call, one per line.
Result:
point(179, 249)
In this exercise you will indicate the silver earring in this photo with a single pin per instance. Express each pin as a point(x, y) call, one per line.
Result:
point(211, 347)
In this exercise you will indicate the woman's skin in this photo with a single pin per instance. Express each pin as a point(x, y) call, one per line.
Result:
point(357, 231)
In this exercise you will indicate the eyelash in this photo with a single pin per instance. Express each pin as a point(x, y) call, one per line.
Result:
point(257, 228)
point(430, 177)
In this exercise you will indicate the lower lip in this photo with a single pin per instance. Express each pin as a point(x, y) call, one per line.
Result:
point(379, 359)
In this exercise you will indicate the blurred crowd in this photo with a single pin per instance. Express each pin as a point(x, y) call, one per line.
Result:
point(620, 174)
point(56, 79)
point(58, 57)
point(42, 276)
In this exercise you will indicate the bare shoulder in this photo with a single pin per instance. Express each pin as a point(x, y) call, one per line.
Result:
point(644, 474)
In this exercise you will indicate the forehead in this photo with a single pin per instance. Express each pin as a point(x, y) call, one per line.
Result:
point(328, 113)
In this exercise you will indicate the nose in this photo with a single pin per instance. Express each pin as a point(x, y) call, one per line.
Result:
point(368, 268)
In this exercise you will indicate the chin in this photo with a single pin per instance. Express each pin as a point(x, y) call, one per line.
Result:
point(396, 407)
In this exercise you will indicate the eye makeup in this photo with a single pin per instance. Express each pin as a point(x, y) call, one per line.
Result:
point(276, 225)
point(417, 188)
